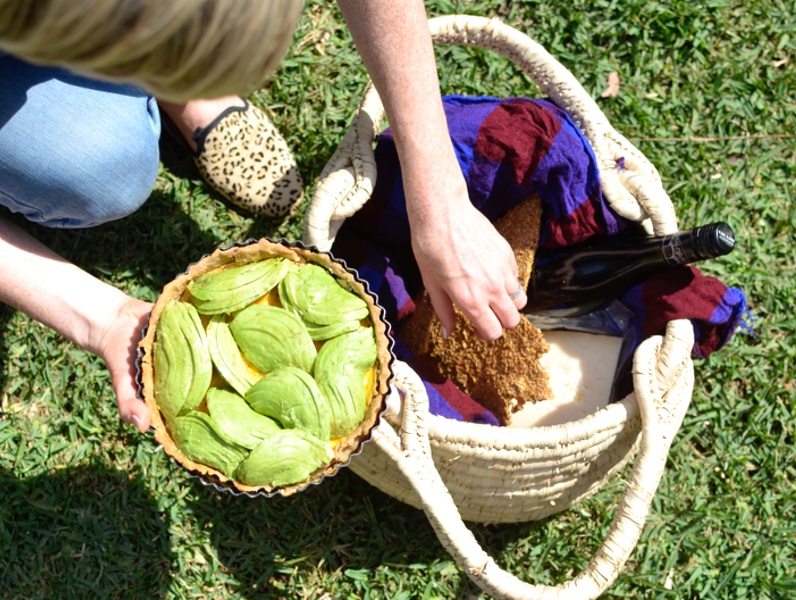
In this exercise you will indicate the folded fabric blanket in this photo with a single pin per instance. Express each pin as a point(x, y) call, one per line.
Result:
point(507, 149)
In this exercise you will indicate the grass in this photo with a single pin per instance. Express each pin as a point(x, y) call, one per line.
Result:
point(90, 508)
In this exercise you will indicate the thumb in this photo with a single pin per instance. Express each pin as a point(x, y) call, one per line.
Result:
point(132, 410)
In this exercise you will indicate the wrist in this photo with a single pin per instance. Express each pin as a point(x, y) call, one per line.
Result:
point(98, 318)
point(435, 187)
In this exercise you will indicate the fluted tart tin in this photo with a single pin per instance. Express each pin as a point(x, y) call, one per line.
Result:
point(261, 376)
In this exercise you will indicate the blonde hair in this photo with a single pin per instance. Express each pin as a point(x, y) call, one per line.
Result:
point(176, 49)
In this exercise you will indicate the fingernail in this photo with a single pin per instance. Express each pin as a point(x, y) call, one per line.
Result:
point(136, 421)
point(444, 333)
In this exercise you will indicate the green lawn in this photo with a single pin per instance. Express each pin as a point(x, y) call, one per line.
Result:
point(91, 508)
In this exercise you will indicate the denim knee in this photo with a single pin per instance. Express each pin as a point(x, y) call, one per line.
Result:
point(74, 152)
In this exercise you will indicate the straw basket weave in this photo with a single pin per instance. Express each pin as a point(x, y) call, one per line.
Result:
point(459, 472)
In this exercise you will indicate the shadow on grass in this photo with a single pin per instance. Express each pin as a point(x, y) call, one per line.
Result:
point(276, 547)
point(82, 532)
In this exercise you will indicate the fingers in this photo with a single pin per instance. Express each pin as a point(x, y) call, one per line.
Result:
point(490, 314)
point(506, 309)
point(503, 301)
point(120, 353)
point(488, 319)
point(511, 298)
point(443, 308)
point(517, 294)
point(488, 327)
point(502, 313)
point(131, 408)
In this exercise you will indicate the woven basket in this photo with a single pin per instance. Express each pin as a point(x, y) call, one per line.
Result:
point(459, 472)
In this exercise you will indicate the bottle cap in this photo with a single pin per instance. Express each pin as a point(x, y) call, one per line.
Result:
point(716, 239)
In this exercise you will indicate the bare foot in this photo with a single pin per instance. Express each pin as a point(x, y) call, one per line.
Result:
point(197, 114)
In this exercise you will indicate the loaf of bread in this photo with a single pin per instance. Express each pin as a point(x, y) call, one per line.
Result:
point(501, 375)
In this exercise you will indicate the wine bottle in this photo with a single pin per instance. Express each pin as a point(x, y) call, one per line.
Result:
point(577, 280)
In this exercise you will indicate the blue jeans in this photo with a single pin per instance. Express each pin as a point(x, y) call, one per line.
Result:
point(74, 152)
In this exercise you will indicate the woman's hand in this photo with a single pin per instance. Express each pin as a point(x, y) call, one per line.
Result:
point(462, 258)
point(465, 262)
point(118, 347)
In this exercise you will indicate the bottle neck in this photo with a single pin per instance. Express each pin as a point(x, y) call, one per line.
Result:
point(578, 279)
point(700, 243)
point(678, 249)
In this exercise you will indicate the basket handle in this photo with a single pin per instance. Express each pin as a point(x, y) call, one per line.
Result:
point(634, 191)
point(663, 379)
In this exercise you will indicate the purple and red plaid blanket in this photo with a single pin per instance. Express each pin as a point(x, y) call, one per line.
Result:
point(508, 148)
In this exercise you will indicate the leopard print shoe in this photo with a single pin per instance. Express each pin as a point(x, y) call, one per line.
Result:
point(243, 157)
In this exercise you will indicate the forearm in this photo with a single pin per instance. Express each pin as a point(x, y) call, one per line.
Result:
point(394, 41)
point(395, 44)
point(38, 282)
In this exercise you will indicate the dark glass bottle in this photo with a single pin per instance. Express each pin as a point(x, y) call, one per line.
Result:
point(573, 281)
